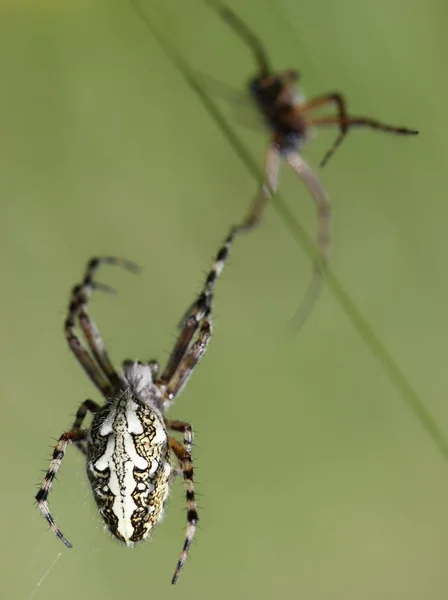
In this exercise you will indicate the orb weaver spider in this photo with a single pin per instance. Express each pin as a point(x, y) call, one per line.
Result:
point(127, 447)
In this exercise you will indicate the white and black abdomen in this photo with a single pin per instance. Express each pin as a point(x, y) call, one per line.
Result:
point(128, 465)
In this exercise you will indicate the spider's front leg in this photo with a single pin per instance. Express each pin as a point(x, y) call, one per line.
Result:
point(76, 436)
point(101, 371)
point(243, 31)
point(87, 405)
point(185, 368)
point(183, 359)
point(186, 355)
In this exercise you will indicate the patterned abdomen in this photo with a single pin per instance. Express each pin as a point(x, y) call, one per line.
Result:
point(128, 467)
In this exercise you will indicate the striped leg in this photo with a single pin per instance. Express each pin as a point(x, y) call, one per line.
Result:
point(71, 437)
point(175, 385)
point(198, 315)
point(80, 352)
point(87, 405)
point(102, 373)
point(184, 428)
point(186, 464)
point(306, 174)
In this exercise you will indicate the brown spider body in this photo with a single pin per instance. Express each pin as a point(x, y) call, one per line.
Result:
point(127, 447)
point(289, 119)
point(278, 100)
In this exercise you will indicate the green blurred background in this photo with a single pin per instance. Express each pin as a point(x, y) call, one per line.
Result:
point(315, 479)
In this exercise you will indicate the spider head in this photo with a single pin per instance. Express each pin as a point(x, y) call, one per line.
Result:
point(267, 91)
point(140, 376)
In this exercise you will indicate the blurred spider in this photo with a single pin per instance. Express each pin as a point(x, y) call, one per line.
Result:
point(127, 447)
point(287, 116)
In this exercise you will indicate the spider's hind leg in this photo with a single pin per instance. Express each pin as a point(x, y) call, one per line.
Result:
point(76, 436)
point(87, 405)
point(70, 437)
point(186, 465)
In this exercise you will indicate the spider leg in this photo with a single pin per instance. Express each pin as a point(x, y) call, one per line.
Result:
point(339, 101)
point(252, 219)
point(184, 357)
point(87, 405)
point(189, 324)
point(58, 454)
point(186, 464)
point(82, 355)
point(347, 122)
point(198, 315)
point(245, 34)
point(180, 377)
point(102, 373)
point(182, 427)
point(272, 166)
point(306, 174)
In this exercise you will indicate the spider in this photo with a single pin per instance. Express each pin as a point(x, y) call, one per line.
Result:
point(287, 116)
point(127, 447)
